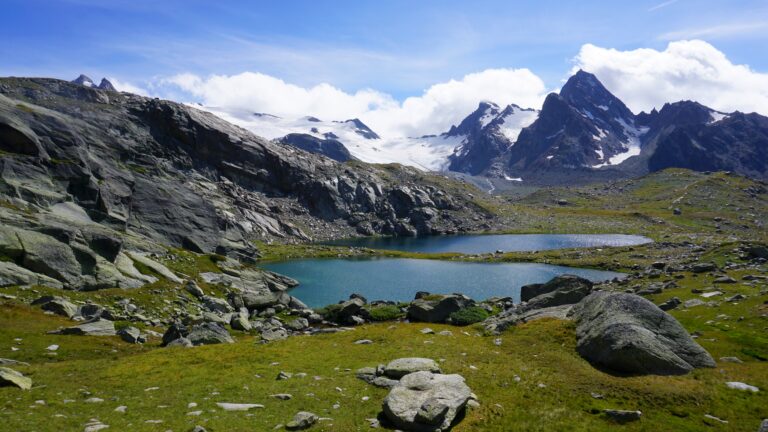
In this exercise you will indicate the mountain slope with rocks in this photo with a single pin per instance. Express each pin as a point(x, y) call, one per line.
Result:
point(87, 173)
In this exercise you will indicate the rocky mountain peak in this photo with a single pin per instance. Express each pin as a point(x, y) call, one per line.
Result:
point(84, 80)
point(362, 129)
point(106, 85)
point(587, 94)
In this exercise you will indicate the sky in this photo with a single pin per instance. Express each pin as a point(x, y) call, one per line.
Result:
point(406, 67)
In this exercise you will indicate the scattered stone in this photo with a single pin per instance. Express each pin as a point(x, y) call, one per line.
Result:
point(282, 396)
point(121, 409)
point(53, 347)
point(226, 406)
point(628, 333)
point(622, 416)
point(742, 386)
point(670, 304)
point(131, 335)
point(703, 267)
point(763, 426)
point(731, 360)
point(710, 294)
point(284, 375)
point(398, 368)
point(427, 330)
point(725, 280)
point(10, 377)
point(363, 342)
point(192, 288)
point(693, 303)
point(711, 417)
point(94, 425)
point(302, 420)
point(424, 401)
point(274, 334)
point(240, 322)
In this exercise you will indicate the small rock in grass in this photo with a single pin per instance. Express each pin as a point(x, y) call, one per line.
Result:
point(711, 417)
point(363, 342)
point(282, 396)
point(121, 409)
point(427, 330)
point(742, 386)
point(302, 420)
point(731, 360)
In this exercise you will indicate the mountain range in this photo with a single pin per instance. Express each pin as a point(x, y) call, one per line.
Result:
point(581, 134)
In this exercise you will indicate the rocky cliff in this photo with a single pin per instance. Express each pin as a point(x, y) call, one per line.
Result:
point(88, 173)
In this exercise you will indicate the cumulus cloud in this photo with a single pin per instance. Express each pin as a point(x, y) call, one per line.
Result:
point(694, 70)
point(124, 86)
point(439, 107)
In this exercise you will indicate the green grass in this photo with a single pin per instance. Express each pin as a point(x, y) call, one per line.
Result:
point(386, 312)
point(542, 352)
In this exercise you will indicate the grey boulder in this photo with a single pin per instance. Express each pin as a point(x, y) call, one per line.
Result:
point(561, 290)
point(426, 402)
point(57, 305)
point(629, 334)
point(98, 327)
point(437, 310)
point(302, 420)
point(404, 366)
point(131, 335)
point(209, 333)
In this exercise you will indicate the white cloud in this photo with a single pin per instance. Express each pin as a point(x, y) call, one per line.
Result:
point(434, 111)
point(124, 86)
point(695, 70)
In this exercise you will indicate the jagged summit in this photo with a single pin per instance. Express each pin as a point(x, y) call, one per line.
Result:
point(85, 80)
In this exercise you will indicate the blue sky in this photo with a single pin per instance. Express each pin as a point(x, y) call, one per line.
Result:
point(397, 47)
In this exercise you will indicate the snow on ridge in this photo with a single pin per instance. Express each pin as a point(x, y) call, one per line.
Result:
point(631, 145)
point(716, 116)
point(425, 153)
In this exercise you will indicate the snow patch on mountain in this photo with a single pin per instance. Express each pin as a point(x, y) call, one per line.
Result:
point(427, 153)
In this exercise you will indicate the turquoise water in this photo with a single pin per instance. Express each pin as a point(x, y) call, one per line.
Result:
point(327, 281)
point(474, 244)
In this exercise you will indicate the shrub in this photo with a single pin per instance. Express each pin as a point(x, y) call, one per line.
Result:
point(386, 313)
point(330, 312)
point(470, 315)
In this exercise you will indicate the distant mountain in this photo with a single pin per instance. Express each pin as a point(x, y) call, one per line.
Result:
point(586, 134)
point(485, 135)
point(428, 153)
point(84, 80)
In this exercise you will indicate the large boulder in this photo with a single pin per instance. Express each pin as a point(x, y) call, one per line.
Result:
point(627, 333)
point(57, 305)
point(436, 309)
point(426, 402)
point(209, 333)
point(562, 290)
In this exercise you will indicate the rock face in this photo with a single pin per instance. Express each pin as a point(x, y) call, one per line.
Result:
point(423, 401)
point(437, 309)
point(85, 167)
point(10, 377)
point(629, 334)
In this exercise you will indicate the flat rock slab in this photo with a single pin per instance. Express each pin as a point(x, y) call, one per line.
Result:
point(99, 327)
point(10, 377)
point(426, 402)
point(404, 366)
point(227, 406)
